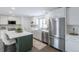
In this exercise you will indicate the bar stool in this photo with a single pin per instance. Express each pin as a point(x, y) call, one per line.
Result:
point(9, 44)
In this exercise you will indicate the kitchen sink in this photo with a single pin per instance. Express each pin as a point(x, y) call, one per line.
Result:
point(73, 34)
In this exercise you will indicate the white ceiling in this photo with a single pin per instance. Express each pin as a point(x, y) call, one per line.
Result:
point(25, 11)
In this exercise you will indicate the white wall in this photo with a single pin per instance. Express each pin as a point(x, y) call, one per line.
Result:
point(73, 19)
point(26, 23)
point(73, 16)
point(70, 28)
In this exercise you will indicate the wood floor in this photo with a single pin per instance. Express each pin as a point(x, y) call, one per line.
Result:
point(41, 47)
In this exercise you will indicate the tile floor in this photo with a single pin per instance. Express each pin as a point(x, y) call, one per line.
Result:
point(41, 47)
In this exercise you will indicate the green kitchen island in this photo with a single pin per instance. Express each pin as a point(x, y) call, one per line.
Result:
point(24, 40)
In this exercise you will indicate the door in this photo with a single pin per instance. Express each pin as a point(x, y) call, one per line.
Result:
point(62, 33)
point(72, 44)
point(51, 41)
point(56, 43)
point(52, 27)
point(45, 36)
point(59, 43)
point(62, 27)
point(62, 44)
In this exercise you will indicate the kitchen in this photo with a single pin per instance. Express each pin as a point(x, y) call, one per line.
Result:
point(53, 28)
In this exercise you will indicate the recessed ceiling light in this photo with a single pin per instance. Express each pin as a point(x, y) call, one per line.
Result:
point(13, 8)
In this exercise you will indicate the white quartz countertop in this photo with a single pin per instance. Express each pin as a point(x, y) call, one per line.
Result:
point(13, 34)
point(45, 30)
point(72, 36)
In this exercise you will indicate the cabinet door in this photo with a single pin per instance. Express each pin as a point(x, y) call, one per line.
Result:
point(17, 19)
point(51, 41)
point(35, 33)
point(73, 16)
point(24, 43)
point(72, 45)
point(60, 12)
point(75, 45)
point(45, 37)
point(39, 35)
point(68, 45)
point(3, 20)
point(62, 44)
point(56, 43)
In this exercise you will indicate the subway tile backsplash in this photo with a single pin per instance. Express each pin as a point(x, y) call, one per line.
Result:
point(70, 28)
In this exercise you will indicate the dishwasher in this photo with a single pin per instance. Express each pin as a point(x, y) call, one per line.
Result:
point(45, 37)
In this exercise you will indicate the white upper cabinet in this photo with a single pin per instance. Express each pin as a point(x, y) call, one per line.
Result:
point(17, 19)
point(60, 12)
point(3, 20)
point(73, 16)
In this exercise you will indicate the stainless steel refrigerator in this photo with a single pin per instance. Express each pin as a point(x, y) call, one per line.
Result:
point(57, 33)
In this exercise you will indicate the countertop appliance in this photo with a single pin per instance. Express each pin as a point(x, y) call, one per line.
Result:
point(57, 33)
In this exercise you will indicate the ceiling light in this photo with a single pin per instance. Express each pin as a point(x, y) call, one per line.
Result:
point(13, 8)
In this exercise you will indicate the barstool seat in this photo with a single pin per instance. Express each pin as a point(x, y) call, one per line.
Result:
point(7, 41)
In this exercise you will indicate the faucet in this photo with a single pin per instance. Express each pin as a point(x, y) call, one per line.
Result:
point(74, 30)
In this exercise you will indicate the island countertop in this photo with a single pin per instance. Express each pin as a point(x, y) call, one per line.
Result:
point(14, 34)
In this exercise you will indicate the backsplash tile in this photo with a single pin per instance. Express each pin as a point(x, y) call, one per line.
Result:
point(70, 28)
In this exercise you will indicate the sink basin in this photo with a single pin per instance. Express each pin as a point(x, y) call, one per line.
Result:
point(73, 34)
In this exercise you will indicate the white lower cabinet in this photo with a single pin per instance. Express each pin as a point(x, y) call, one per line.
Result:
point(37, 34)
point(72, 44)
point(3, 20)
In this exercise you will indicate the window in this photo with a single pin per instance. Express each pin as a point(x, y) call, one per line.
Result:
point(43, 23)
point(40, 23)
